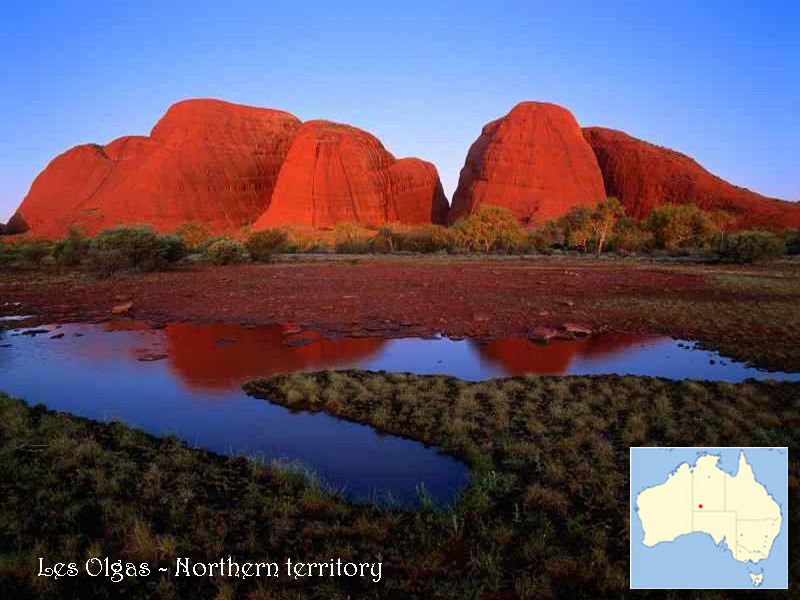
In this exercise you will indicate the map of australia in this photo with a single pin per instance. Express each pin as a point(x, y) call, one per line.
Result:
point(732, 507)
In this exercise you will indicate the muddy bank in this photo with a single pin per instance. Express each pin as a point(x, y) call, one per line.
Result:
point(748, 313)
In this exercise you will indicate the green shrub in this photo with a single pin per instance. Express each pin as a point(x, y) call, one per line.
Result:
point(225, 251)
point(8, 253)
point(26, 252)
point(677, 226)
point(628, 236)
point(134, 249)
point(490, 228)
point(33, 251)
point(753, 246)
point(578, 227)
point(545, 237)
point(385, 241)
point(195, 235)
point(792, 240)
point(72, 250)
point(261, 245)
point(306, 241)
point(429, 239)
point(351, 238)
point(423, 239)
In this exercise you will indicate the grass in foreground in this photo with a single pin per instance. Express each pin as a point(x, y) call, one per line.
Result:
point(545, 513)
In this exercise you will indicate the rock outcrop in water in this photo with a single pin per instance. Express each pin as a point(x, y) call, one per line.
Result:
point(335, 173)
point(534, 161)
point(643, 175)
point(206, 160)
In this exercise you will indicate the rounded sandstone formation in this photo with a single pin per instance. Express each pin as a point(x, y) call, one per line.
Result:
point(335, 173)
point(206, 160)
point(534, 161)
point(643, 175)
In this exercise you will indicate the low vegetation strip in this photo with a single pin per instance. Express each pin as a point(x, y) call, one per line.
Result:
point(545, 513)
point(546, 510)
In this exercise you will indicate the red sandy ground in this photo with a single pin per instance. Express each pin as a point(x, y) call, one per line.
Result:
point(746, 313)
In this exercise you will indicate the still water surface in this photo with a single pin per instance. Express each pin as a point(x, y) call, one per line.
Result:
point(186, 379)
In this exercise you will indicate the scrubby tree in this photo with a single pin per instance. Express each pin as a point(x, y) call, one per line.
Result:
point(629, 236)
point(546, 236)
point(604, 218)
point(195, 235)
point(73, 249)
point(490, 228)
point(792, 240)
point(225, 251)
point(351, 238)
point(679, 226)
point(261, 245)
point(136, 248)
point(753, 246)
point(722, 220)
point(578, 227)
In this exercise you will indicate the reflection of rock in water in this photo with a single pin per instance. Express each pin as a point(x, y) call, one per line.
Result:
point(519, 356)
point(223, 356)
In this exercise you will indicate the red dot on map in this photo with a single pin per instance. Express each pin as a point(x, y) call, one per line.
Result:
point(700, 506)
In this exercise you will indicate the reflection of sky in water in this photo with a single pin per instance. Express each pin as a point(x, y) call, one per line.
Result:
point(186, 380)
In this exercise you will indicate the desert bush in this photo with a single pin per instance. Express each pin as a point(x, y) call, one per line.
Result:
point(628, 236)
point(428, 239)
point(8, 254)
point(677, 226)
point(578, 227)
point(73, 249)
point(195, 235)
point(422, 239)
point(385, 241)
point(545, 237)
point(261, 245)
point(351, 238)
point(490, 228)
point(753, 246)
point(792, 241)
point(134, 249)
point(305, 241)
point(225, 251)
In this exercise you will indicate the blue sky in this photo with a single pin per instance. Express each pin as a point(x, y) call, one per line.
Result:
point(719, 81)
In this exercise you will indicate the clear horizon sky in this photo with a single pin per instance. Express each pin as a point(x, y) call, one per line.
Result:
point(717, 80)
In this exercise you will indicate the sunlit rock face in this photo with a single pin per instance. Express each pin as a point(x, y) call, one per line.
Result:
point(643, 175)
point(207, 161)
point(335, 173)
point(534, 161)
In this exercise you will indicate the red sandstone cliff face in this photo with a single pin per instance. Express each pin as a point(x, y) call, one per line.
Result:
point(534, 161)
point(205, 160)
point(643, 175)
point(335, 173)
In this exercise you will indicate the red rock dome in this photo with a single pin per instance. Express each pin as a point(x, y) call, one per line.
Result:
point(534, 161)
point(205, 160)
point(335, 173)
point(643, 175)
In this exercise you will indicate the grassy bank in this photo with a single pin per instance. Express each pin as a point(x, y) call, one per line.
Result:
point(545, 513)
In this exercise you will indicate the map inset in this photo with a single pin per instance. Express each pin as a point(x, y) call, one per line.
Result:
point(709, 518)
